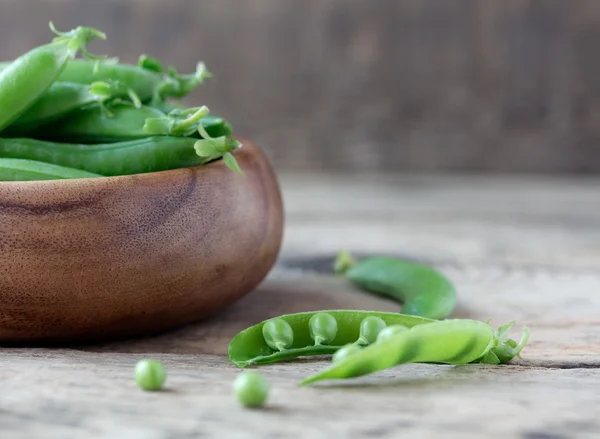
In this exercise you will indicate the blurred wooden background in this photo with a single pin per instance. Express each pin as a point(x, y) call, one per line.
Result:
point(409, 85)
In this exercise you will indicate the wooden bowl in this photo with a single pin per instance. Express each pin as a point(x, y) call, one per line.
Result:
point(106, 258)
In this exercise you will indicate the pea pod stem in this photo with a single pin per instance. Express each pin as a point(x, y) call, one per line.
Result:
point(182, 85)
point(176, 126)
point(109, 89)
point(319, 340)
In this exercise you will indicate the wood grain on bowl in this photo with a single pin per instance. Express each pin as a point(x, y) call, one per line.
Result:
point(107, 258)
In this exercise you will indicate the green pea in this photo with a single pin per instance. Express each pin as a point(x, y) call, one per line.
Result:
point(278, 334)
point(323, 328)
point(370, 327)
point(345, 352)
point(150, 374)
point(251, 389)
point(388, 332)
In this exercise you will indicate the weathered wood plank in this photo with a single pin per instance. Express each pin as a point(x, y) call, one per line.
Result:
point(516, 221)
point(88, 391)
point(396, 84)
point(83, 396)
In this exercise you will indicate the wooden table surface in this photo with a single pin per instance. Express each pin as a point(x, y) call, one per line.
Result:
point(517, 248)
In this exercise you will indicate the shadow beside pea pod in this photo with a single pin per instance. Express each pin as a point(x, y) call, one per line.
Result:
point(421, 376)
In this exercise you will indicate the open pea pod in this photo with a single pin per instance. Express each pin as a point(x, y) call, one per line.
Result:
point(311, 334)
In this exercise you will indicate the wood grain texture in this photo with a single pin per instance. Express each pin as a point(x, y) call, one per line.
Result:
point(521, 248)
point(399, 84)
point(119, 256)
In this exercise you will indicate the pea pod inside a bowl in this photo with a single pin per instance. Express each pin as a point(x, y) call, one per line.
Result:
point(101, 116)
point(422, 290)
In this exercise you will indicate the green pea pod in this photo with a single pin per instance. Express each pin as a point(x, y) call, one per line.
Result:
point(443, 342)
point(151, 154)
point(61, 98)
point(422, 290)
point(345, 352)
point(250, 347)
point(30, 170)
point(25, 79)
point(146, 83)
point(118, 123)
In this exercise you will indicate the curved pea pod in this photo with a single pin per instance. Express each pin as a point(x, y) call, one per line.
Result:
point(443, 342)
point(117, 123)
point(61, 99)
point(422, 290)
point(26, 78)
point(31, 170)
point(147, 83)
point(249, 347)
point(152, 154)
point(121, 122)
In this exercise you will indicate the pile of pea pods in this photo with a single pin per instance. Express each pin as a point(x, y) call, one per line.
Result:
point(66, 113)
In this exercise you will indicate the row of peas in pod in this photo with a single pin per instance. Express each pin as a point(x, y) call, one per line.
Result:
point(63, 116)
